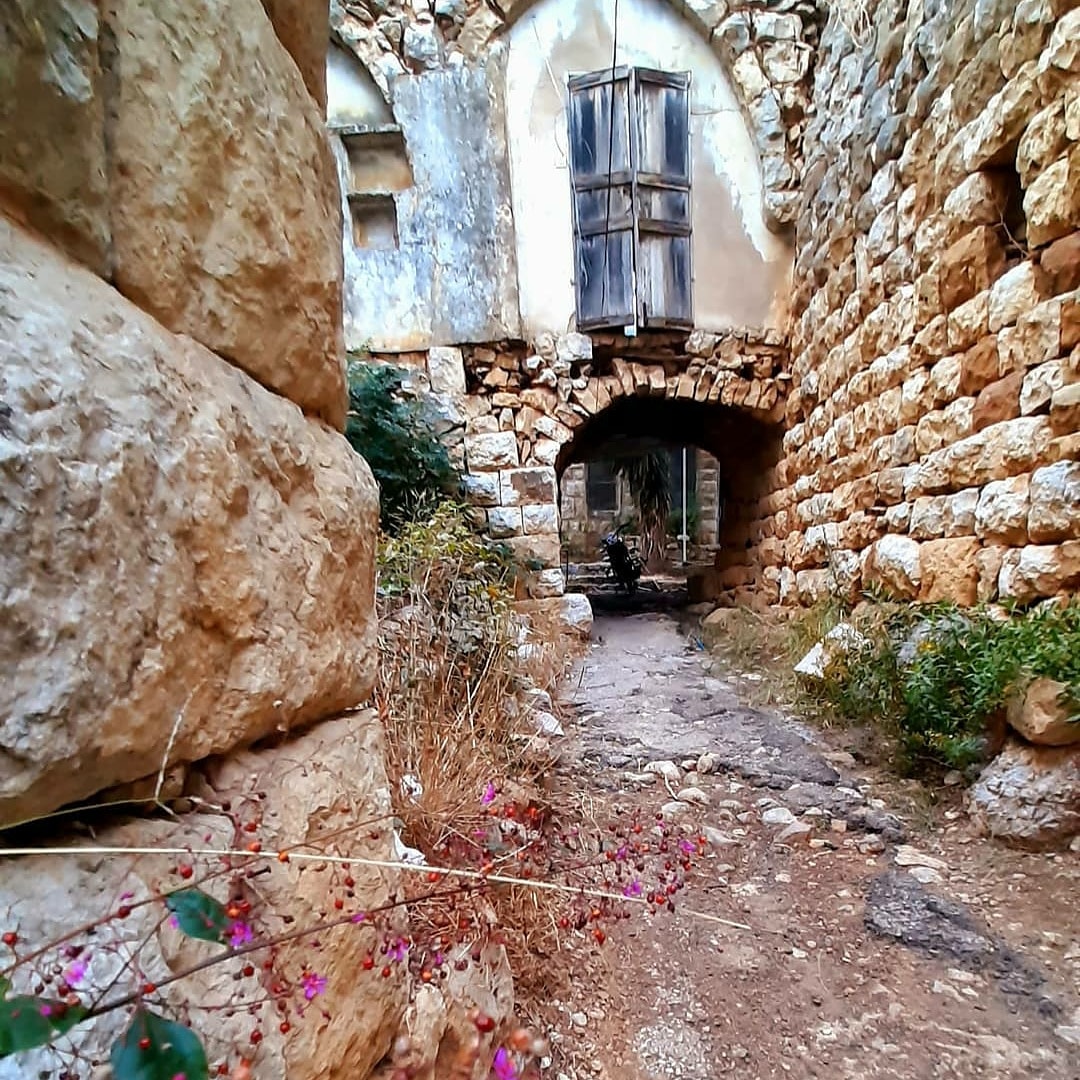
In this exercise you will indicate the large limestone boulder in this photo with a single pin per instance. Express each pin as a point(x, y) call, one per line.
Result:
point(304, 789)
point(225, 211)
point(302, 26)
point(1029, 795)
point(1042, 714)
point(177, 545)
point(52, 123)
point(895, 564)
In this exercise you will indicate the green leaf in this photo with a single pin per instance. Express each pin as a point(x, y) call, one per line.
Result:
point(198, 915)
point(154, 1048)
point(26, 1022)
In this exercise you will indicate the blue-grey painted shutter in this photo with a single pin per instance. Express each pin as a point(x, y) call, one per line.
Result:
point(601, 171)
point(662, 198)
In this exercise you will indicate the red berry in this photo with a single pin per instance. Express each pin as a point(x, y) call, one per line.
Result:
point(251, 826)
point(484, 1023)
point(599, 936)
point(149, 988)
point(349, 882)
point(123, 911)
point(255, 847)
point(285, 1027)
point(339, 903)
point(144, 1043)
point(256, 1036)
point(387, 972)
point(369, 963)
point(248, 971)
point(10, 938)
point(186, 872)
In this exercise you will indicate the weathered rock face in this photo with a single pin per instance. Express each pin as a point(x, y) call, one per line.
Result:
point(1029, 795)
point(300, 26)
point(177, 542)
point(1042, 717)
point(52, 124)
point(314, 785)
point(223, 194)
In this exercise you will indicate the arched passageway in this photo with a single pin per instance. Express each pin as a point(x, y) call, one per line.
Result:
point(729, 457)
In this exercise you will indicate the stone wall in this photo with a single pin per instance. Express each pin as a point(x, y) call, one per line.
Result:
point(184, 552)
point(933, 420)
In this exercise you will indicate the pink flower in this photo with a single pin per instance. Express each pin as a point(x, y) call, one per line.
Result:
point(240, 934)
point(75, 972)
point(398, 950)
point(503, 1066)
point(686, 847)
point(633, 889)
point(359, 917)
point(489, 794)
point(313, 984)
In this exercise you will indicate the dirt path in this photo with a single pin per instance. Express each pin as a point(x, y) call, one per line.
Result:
point(963, 963)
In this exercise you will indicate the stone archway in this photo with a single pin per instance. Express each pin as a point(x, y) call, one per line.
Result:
point(528, 414)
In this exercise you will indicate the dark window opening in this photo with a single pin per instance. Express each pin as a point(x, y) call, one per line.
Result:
point(601, 488)
point(630, 171)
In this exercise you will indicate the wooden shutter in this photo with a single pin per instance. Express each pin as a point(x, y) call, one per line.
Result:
point(662, 198)
point(602, 173)
point(630, 171)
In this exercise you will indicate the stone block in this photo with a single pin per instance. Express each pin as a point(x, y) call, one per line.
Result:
point(1065, 410)
point(997, 402)
point(1060, 264)
point(1039, 386)
point(968, 323)
point(504, 522)
point(980, 199)
point(234, 241)
point(970, 265)
point(989, 561)
point(1055, 503)
point(446, 370)
point(482, 489)
point(1052, 201)
point(300, 25)
point(529, 486)
point(540, 518)
point(52, 125)
point(1043, 142)
point(1036, 571)
point(1042, 715)
point(949, 571)
point(894, 563)
point(1001, 515)
point(155, 504)
point(1014, 294)
point(1028, 796)
point(492, 450)
point(979, 367)
point(1000, 124)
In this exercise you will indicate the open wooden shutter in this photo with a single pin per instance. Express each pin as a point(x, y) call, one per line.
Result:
point(662, 198)
point(602, 174)
point(630, 170)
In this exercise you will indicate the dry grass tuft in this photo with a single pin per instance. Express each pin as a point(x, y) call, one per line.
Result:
point(458, 666)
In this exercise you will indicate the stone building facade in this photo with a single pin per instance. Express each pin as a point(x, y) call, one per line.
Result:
point(902, 409)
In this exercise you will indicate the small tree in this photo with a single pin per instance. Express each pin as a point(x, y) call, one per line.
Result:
point(396, 435)
point(649, 479)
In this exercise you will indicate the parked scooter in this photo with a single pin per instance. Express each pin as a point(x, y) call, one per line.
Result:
point(624, 563)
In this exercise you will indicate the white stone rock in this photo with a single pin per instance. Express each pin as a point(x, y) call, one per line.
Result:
point(1039, 386)
point(1012, 295)
point(504, 521)
point(666, 769)
point(494, 450)
point(576, 614)
point(446, 371)
point(1029, 795)
point(906, 855)
point(840, 640)
point(1002, 511)
point(1055, 503)
point(572, 348)
point(777, 816)
point(693, 795)
point(894, 562)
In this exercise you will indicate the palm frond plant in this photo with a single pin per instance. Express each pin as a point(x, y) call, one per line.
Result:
point(648, 477)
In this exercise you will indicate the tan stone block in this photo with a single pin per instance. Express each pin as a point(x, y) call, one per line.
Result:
point(998, 401)
point(1001, 122)
point(979, 366)
point(950, 571)
point(894, 563)
point(1036, 571)
point(528, 486)
point(1060, 263)
point(988, 561)
point(1001, 514)
point(1055, 503)
point(930, 432)
point(1014, 294)
point(1052, 202)
point(968, 323)
point(1042, 714)
point(1070, 322)
point(945, 378)
point(931, 343)
point(1065, 410)
point(1042, 143)
point(1039, 386)
point(970, 266)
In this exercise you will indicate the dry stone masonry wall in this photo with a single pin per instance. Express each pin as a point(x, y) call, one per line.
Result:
point(933, 421)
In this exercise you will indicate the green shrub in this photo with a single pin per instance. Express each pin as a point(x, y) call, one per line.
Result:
point(935, 676)
point(396, 435)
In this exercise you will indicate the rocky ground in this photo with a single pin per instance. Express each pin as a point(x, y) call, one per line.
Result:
point(866, 932)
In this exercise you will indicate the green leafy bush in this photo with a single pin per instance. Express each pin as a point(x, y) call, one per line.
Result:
point(936, 676)
point(396, 435)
